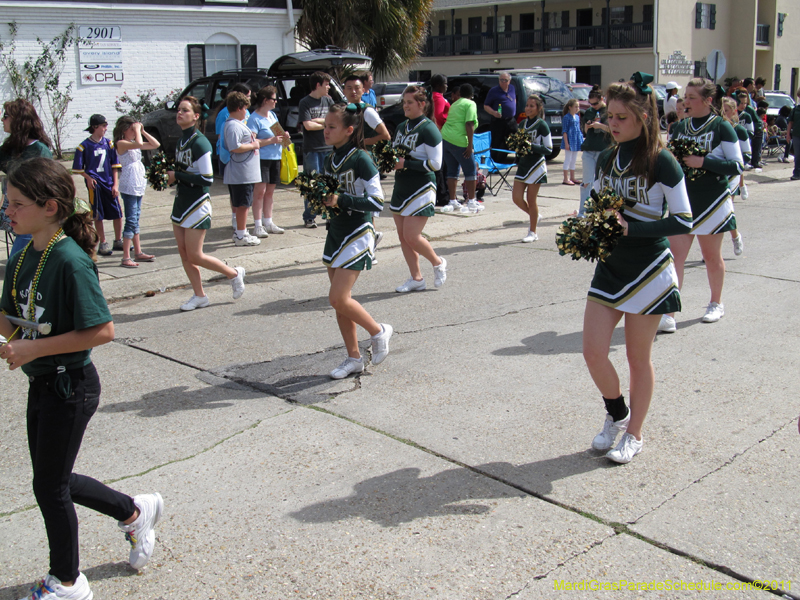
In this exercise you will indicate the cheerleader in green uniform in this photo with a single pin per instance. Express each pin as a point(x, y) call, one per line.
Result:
point(737, 184)
point(709, 194)
point(191, 211)
point(637, 280)
point(532, 169)
point(414, 194)
point(350, 244)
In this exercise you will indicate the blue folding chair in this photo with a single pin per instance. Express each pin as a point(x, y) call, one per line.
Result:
point(481, 143)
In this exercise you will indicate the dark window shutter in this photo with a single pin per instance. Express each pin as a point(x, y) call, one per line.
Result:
point(197, 61)
point(712, 18)
point(628, 15)
point(647, 13)
point(565, 18)
point(781, 17)
point(442, 27)
point(777, 84)
point(698, 15)
point(249, 56)
point(489, 24)
point(594, 75)
point(604, 16)
point(458, 27)
point(508, 23)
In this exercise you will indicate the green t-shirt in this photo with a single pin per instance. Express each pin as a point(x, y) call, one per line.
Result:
point(33, 150)
point(595, 140)
point(462, 111)
point(68, 297)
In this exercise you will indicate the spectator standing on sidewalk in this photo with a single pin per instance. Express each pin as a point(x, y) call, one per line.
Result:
point(368, 97)
point(222, 152)
point(458, 151)
point(597, 139)
point(501, 104)
point(313, 109)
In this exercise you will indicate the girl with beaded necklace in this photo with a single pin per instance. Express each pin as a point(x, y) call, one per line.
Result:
point(54, 281)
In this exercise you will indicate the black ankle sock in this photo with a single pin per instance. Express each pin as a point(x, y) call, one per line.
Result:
point(616, 407)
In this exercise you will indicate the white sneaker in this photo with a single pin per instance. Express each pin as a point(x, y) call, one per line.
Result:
point(272, 228)
point(531, 237)
point(237, 283)
point(745, 193)
point(454, 206)
point(738, 245)
point(411, 285)
point(259, 232)
point(611, 429)
point(627, 448)
point(196, 302)
point(446, 208)
point(378, 238)
point(380, 344)
point(140, 533)
point(758, 169)
point(247, 240)
point(475, 206)
point(50, 588)
point(349, 366)
point(440, 273)
point(667, 324)
point(748, 167)
point(714, 312)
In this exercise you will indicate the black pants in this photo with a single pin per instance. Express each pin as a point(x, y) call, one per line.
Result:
point(55, 431)
point(758, 140)
point(500, 130)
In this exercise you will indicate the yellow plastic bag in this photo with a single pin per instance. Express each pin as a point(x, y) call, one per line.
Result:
point(288, 164)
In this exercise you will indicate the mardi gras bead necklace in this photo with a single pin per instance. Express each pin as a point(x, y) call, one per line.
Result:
point(35, 284)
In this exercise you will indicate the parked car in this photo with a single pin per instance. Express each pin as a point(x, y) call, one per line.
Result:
point(777, 99)
point(289, 74)
point(580, 91)
point(554, 93)
point(390, 93)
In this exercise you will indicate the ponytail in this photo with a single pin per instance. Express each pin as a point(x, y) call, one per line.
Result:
point(41, 179)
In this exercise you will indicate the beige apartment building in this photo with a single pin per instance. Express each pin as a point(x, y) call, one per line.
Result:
point(607, 40)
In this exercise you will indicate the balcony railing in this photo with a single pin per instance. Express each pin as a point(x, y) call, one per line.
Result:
point(629, 35)
point(762, 35)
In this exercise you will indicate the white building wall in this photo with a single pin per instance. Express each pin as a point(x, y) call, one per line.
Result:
point(154, 45)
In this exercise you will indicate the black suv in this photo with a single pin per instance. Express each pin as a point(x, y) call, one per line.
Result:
point(554, 93)
point(289, 74)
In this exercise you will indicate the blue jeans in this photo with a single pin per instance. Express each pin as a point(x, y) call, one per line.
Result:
point(133, 208)
point(455, 160)
point(312, 161)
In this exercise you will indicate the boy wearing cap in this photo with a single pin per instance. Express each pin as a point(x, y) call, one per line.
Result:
point(96, 160)
point(671, 103)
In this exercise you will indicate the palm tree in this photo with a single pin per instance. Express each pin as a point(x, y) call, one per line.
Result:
point(392, 32)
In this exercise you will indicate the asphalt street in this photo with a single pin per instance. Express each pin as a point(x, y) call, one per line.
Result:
point(460, 468)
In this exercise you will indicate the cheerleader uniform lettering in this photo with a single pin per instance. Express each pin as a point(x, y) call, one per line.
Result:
point(350, 243)
point(712, 206)
point(639, 275)
point(68, 298)
point(414, 192)
point(97, 160)
point(194, 174)
point(533, 168)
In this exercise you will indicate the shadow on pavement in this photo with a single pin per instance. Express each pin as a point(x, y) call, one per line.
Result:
point(403, 496)
point(550, 342)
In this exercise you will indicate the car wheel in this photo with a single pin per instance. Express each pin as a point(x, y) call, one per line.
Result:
point(556, 151)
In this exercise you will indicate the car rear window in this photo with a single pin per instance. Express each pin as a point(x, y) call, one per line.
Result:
point(778, 101)
point(547, 87)
point(581, 93)
point(394, 88)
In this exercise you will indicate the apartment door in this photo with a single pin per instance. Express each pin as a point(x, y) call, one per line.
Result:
point(584, 25)
point(474, 25)
point(527, 23)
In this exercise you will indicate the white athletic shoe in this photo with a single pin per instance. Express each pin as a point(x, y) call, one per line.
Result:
point(627, 448)
point(411, 285)
point(349, 366)
point(667, 324)
point(611, 429)
point(378, 238)
point(195, 302)
point(140, 533)
point(745, 193)
point(531, 237)
point(714, 312)
point(475, 206)
point(246, 240)
point(272, 228)
point(380, 344)
point(50, 588)
point(440, 274)
point(738, 245)
point(237, 283)
point(259, 232)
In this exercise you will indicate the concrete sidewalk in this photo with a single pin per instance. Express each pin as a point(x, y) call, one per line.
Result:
point(460, 467)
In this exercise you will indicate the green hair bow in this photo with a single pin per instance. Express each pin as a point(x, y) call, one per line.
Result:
point(643, 81)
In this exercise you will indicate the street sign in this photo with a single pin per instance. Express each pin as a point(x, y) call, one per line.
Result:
point(715, 64)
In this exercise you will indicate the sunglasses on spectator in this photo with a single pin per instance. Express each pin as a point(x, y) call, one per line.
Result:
point(594, 104)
